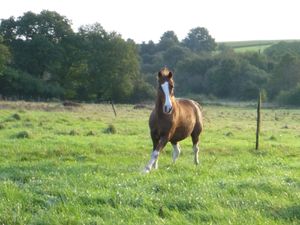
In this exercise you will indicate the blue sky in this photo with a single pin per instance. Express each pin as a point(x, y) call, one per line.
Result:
point(144, 20)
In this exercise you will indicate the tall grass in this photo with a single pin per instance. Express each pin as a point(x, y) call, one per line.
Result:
point(62, 177)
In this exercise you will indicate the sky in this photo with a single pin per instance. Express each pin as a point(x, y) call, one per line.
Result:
point(144, 20)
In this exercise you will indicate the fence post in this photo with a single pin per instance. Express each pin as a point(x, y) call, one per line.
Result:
point(113, 107)
point(258, 120)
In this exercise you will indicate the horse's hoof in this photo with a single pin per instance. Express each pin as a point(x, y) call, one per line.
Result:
point(146, 170)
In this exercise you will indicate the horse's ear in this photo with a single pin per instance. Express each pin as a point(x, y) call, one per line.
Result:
point(170, 75)
point(159, 75)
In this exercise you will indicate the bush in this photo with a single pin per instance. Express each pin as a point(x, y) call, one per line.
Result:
point(23, 134)
point(21, 84)
point(111, 129)
point(291, 97)
point(73, 132)
point(16, 116)
point(91, 133)
point(143, 91)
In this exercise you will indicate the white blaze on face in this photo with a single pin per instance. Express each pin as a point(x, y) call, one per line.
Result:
point(167, 108)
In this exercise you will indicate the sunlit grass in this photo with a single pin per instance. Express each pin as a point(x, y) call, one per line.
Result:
point(70, 170)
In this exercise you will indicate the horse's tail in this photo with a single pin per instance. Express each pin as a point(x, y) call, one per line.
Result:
point(200, 114)
point(198, 105)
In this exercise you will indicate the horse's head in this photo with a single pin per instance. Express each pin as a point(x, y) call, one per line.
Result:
point(166, 89)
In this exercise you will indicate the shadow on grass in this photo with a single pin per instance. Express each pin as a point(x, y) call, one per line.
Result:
point(290, 213)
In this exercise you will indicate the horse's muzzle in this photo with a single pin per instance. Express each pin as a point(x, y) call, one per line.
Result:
point(167, 109)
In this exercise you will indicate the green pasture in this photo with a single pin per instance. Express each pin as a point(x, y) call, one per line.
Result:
point(254, 46)
point(82, 165)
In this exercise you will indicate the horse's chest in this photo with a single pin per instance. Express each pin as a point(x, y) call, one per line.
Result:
point(176, 131)
point(164, 126)
point(182, 131)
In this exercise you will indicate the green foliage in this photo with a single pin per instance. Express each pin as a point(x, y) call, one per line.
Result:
point(73, 133)
point(111, 64)
point(16, 116)
point(277, 51)
point(290, 97)
point(111, 129)
point(22, 134)
point(199, 40)
point(142, 91)
point(91, 133)
point(228, 75)
point(285, 75)
point(4, 55)
point(42, 57)
point(37, 42)
point(168, 40)
point(89, 65)
point(20, 84)
point(174, 55)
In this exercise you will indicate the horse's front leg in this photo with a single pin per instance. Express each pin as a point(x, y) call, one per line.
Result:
point(154, 156)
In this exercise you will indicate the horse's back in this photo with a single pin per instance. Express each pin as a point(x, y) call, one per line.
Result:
point(189, 119)
point(190, 108)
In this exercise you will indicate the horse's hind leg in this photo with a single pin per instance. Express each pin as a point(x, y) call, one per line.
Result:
point(195, 139)
point(196, 151)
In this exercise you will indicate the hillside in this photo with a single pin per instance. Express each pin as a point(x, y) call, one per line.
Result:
point(254, 45)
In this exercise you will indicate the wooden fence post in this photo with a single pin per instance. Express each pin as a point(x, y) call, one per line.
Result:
point(113, 107)
point(258, 120)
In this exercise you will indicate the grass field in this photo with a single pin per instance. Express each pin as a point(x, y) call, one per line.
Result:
point(256, 45)
point(67, 166)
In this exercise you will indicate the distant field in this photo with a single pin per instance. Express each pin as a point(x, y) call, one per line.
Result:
point(259, 45)
point(62, 165)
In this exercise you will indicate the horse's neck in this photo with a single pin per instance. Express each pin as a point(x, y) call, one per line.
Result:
point(159, 105)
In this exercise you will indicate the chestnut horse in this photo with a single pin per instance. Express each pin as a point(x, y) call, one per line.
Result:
point(172, 120)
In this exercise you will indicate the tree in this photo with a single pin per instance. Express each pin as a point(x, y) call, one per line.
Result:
point(190, 73)
point(4, 55)
point(173, 55)
point(248, 81)
point(286, 75)
point(290, 97)
point(168, 40)
point(8, 30)
point(17, 83)
point(35, 41)
point(220, 77)
point(282, 48)
point(110, 64)
point(48, 24)
point(199, 40)
point(147, 48)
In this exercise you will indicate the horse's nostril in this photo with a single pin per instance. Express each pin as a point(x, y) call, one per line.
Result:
point(166, 109)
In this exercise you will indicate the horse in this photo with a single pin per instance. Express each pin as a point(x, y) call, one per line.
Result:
point(172, 120)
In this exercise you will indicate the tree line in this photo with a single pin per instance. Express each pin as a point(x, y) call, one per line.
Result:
point(45, 58)
point(42, 57)
point(204, 68)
